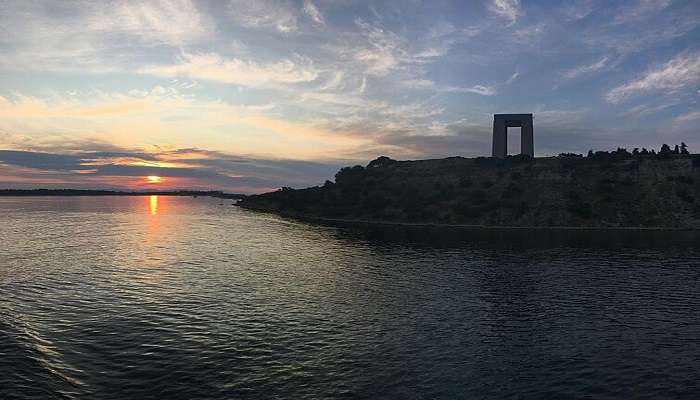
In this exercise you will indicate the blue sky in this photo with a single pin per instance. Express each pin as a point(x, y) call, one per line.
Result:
point(254, 95)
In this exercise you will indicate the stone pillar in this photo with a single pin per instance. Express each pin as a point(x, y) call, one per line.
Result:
point(527, 138)
point(500, 138)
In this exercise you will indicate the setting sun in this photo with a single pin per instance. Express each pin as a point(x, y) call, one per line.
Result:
point(153, 179)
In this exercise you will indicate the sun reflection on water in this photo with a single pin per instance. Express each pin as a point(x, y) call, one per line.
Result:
point(153, 204)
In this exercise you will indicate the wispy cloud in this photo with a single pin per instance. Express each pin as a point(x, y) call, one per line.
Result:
point(530, 34)
point(426, 84)
point(675, 75)
point(640, 10)
point(98, 37)
point(585, 69)
point(577, 9)
point(687, 117)
point(476, 89)
point(214, 67)
point(634, 38)
point(175, 22)
point(642, 110)
point(313, 12)
point(275, 14)
point(506, 9)
point(381, 51)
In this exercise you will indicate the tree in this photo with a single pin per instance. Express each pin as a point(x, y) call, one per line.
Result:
point(644, 152)
point(684, 148)
point(350, 176)
point(621, 152)
point(381, 162)
point(676, 150)
point(635, 152)
point(590, 153)
point(665, 150)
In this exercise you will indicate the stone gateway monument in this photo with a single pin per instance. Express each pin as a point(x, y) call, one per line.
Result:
point(501, 123)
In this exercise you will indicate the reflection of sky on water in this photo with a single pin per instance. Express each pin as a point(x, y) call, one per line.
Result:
point(236, 304)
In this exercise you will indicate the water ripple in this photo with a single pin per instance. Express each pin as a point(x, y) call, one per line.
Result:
point(101, 298)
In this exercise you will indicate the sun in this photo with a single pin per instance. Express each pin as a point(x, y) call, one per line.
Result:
point(153, 179)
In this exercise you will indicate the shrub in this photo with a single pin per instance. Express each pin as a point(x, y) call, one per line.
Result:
point(606, 185)
point(581, 209)
point(521, 209)
point(685, 195)
point(512, 190)
point(465, 182)
point(479, 196)
point(468, 210)
point(350, 176)
point(374, 202)
point(686, 180)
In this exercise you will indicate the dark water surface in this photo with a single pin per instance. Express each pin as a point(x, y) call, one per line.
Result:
point(180, 298)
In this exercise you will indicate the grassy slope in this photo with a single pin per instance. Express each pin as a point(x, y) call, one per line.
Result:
point(557, 191)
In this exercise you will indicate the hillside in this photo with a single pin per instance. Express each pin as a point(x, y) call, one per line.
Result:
point(615, 189)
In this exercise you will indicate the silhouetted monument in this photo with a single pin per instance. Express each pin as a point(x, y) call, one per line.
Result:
point(501, 123)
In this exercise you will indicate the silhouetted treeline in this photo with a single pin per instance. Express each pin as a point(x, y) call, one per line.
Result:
point(80, 192)
point(622, 153)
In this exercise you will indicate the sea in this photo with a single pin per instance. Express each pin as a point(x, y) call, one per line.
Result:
point(163, 297)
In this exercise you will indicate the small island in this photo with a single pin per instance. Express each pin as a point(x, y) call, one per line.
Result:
point(618, 189)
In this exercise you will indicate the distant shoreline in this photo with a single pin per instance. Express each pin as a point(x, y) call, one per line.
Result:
point(87, 192)
point(361, 222)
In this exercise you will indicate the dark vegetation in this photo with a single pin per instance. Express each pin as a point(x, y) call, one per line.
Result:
point(78, 192)
point(617, 188)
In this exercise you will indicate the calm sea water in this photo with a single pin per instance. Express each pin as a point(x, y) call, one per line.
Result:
point(181, 298)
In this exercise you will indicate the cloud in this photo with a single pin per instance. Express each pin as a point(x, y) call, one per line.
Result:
point(275, 14)
point(675, 75)
point(633, 38)
point(98, 37)
point(382, 52)
point(576, 10)
point(512, 78)
point(195, 168)
point(174, 22)
point(646, 109)
point(214, 67)
point(506, 9)
point(640, 10)
point(335, 82)
point(530, 34)
point(585, 69)
point(167, 117)
point(312, 11)
point(476, 89)
point(41, 161)
point(687, 117)
point(426, 84)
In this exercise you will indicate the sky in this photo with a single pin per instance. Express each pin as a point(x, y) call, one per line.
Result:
point(250, 96)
